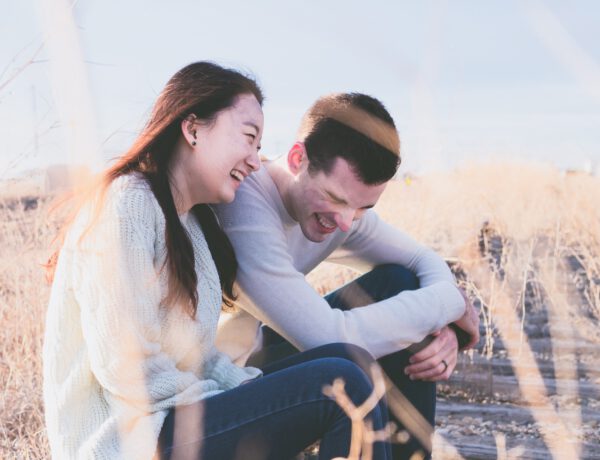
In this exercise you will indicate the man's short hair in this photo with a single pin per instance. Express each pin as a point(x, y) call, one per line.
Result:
point(356, 128)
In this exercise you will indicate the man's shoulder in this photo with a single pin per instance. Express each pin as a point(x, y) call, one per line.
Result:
point(256, 201)
point(369, 222)
point(257, 186)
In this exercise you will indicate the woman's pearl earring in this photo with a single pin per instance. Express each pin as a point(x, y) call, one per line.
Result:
point(193, 142)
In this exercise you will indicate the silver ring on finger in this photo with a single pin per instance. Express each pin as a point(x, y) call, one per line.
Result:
point(445, 365)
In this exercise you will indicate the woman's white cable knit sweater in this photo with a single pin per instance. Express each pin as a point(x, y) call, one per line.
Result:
point(115, 358)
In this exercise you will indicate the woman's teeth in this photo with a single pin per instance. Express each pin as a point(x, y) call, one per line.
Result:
point(237, 175)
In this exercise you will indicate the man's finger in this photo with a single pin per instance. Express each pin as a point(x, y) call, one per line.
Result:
point(441, 371)
point(439, 365)
point(431, 363)
point(421, 366)
point(430, 350)
point(446, 339)
point(428, 374)
point(448, 354)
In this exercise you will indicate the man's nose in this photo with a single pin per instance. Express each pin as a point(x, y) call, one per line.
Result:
point(344, 219)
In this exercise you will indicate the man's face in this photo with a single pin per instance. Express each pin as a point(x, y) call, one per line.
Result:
point(323, 202)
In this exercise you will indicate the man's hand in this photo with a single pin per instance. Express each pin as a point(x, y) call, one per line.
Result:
point(469, 324)
point(437, 360)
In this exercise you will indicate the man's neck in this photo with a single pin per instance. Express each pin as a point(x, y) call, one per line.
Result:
point(283, 180)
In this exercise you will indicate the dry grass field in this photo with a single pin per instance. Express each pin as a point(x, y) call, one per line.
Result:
point(525, 242)
point(24, 236)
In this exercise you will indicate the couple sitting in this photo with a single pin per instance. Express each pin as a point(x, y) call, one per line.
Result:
point(131, 366)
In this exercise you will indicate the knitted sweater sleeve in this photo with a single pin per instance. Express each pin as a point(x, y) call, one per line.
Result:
point(119, 295)
point(219, 367)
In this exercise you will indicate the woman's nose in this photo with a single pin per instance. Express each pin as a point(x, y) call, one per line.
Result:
point(253, 161)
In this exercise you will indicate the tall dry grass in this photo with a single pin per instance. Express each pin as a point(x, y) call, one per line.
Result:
point(24, 238)
point(542, 229)
point(543, 251)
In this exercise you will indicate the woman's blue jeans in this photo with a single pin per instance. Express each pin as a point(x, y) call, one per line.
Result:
point(380, 283)
point(280, 414)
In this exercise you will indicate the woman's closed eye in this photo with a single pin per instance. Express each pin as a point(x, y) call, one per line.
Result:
point(253, 138)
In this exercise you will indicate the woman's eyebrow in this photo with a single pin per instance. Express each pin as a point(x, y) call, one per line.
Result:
point(252, 125)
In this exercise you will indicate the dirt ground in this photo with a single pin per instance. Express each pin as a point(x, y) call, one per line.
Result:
point(481, 412)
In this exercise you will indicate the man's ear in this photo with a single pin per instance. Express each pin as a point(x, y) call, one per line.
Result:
point(297, 158)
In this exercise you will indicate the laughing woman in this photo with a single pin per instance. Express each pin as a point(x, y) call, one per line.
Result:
point(130, 367)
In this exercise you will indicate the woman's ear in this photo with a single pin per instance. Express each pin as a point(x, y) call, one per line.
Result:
point(297, 158)
point(188, 129)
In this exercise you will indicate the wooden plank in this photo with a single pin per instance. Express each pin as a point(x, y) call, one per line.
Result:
point(504, 366)
point(559, 346)
point(484, 448)
point(507, 387)
point(503, 412)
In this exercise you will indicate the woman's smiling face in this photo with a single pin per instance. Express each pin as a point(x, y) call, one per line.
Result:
point(226, 151)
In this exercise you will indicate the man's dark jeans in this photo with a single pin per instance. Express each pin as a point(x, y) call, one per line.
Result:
point(380, 283)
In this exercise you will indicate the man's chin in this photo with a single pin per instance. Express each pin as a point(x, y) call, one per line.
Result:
point(314, 235)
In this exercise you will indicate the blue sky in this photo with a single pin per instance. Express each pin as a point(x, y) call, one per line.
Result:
point(463, 79)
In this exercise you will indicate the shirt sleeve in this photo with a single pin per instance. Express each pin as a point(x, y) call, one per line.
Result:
point(275, 292)
point(119, 294)
point(374, 242)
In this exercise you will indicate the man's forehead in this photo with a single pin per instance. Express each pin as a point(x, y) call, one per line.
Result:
point(343, 183)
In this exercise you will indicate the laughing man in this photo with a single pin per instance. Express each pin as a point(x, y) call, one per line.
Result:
point(315, 204)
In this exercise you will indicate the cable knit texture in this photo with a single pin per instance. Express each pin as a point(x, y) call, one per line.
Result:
point(116, 359)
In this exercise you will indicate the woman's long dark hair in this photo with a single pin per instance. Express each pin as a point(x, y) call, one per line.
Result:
point(202, 89)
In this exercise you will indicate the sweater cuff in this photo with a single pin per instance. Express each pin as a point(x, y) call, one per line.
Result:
point(453, 303)
point(231, 376)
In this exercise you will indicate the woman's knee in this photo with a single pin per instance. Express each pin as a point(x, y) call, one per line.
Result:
point(358, 387)
point(357, 383)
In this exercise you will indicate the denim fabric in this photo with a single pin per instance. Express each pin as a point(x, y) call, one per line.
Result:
point(280, 414)
point(380, 283)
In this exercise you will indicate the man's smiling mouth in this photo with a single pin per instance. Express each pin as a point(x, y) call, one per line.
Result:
point(324, 223)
